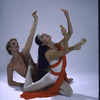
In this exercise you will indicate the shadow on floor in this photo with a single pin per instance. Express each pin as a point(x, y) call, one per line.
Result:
point(60, 97)
point(74, 97)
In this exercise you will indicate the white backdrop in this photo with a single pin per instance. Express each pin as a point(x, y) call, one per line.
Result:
point(16, 21)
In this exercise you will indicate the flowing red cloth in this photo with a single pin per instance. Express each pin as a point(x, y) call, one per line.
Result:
point(54, 90)
point(24, 60)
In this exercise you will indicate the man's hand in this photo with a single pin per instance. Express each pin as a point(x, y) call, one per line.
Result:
point(34, 14)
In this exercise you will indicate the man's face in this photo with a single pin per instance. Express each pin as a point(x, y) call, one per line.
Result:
point(14, 46)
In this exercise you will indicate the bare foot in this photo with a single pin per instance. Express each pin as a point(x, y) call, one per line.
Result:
point(78, 45)
point(70, 80)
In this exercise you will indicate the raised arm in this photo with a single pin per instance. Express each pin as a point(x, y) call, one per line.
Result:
point(53, 55)
point(69, 33)
point(28, 44)
point(70, 30)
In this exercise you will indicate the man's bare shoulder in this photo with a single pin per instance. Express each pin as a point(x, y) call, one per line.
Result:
point(9, 64)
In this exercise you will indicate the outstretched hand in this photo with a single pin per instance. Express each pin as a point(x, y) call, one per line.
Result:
point(63, 30)
point(34, 14)
point(65, 11)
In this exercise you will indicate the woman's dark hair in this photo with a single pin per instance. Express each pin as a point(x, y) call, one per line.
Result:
point(42, 61)
point(37, 41)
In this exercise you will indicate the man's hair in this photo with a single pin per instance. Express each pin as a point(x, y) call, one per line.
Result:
point(8, 45)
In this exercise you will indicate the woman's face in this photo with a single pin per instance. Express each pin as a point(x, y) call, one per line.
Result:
point(44, 37)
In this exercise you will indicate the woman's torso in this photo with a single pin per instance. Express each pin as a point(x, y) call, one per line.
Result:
point(55, 69)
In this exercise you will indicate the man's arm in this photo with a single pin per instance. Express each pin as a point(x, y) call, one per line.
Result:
point(28, 44)
point(10, 77)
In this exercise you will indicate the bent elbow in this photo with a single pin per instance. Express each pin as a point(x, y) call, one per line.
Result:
point(9, 83)
point(66, 51)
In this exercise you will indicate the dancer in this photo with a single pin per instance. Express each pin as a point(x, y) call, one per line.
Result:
point(20, 60)
point(54, 54)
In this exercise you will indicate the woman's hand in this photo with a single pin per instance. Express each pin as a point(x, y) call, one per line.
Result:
point(63, 30)
point(70, 29)
point(34, 14)
point(65, 11)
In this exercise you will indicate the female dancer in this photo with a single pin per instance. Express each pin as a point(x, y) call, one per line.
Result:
point(54, 55)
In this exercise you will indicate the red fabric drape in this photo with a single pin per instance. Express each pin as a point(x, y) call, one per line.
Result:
point(24, 60)
point(54, 90)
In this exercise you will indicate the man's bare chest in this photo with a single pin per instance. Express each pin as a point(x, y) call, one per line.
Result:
point(18, 64)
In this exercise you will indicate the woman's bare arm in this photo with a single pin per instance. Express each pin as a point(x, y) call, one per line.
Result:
point(70, 30)
point(50, 54)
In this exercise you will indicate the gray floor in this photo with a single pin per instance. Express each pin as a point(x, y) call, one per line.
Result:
point(85, 87)
point(16, 21)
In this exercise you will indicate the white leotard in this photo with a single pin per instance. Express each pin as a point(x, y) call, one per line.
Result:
point(56, 69)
